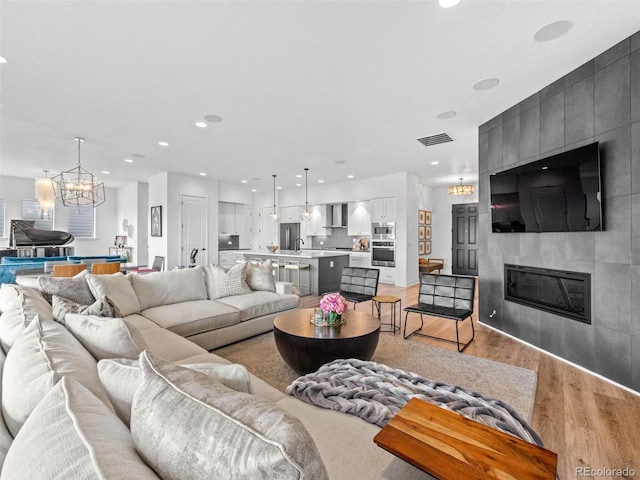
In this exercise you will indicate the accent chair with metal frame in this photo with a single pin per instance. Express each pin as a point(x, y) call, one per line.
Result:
point(359, 285)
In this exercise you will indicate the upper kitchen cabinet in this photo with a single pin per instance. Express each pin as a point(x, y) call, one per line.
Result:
point(231, 219)
point(289, 214)
point(246, 232)
point(315, 226)
point(383, 209)
point(359, 219)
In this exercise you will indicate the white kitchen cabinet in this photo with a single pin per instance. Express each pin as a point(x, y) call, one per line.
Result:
point(360, 259)
point(387, 275)
point(246, 232)
point(227, 259)
point(226, 218)
point(383, 209)
point(289, 214)
point(359, 222)
point(315, 226)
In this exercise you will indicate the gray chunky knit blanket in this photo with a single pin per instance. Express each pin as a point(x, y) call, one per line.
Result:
point(376, 392)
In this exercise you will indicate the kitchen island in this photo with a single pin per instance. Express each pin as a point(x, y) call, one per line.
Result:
point(325, 266)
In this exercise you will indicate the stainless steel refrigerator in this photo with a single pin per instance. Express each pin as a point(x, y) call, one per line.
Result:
point(288, 234)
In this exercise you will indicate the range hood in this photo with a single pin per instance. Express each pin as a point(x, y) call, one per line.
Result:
point(336, 216)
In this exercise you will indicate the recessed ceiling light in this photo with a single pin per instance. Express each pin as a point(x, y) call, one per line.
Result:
point(446, 115)
point(298, 176)
point(163, 144)
point(243, 181)
point(213, 118)
point(349, 176)
point(2, 59)
point(106, 172)
point(202, 174)
point(128, 160)
point(435, 163)
point(254, 190)
point(298, 184)
point(552, 31)
point(545, 167)
point(201, 124)
point(340, 162)
point(448, 3)
point(320, 181)
point(486, 84)
point(279, 187)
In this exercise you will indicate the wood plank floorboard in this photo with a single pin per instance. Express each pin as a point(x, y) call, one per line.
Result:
point(587, 421)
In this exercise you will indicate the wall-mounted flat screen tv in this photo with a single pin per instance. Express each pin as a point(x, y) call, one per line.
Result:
point(561, 193)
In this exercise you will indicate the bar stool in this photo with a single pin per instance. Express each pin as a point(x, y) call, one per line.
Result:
point(295, 266)
point(275, 266)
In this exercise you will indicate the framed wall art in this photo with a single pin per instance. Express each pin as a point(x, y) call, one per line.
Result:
point(427, 233)
point(427, 217)
point(422, 232)
point(156, 221)
point(422, 217)
point(427, 248)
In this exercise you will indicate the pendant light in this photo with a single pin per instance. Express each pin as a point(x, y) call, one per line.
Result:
point(461, 189)
point(307, 214)
point(78, 187)
point(274, 215)
point(45, 196)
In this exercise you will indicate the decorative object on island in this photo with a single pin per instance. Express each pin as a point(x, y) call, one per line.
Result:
point(156, 221)
point(274, 214)
point(461, 189)
point(306, 215)
point(78, 187)
point(45, 195)
point(273, 248)
point(333, 305)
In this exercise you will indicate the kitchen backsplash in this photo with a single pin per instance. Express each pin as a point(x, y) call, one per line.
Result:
point(337, 239)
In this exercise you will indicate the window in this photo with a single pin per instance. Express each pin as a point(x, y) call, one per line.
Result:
point(30, 211)
point(2, 235)
point(82, 221)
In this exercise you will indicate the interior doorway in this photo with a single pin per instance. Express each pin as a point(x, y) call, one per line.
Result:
point(194, 225)
point(464, 239)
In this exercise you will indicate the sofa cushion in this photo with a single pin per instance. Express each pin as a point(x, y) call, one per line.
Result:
point(164, 288)
point(28, 281)
point(106, 337)
point(117, 288)
point(72, 435)
point(73, 288)
point(121, 378)
point(260, 276)
point(221, 283)
point(191, 318)
point(20, 312)
point(260, 303)
point(8, 292)
point(5, 437)
point(102, 307)
point(208, 420)
point(41, 356)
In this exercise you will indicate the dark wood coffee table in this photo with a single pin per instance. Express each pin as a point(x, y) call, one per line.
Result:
point(306, 347)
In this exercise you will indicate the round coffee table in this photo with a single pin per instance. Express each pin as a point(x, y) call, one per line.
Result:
point(306, 347)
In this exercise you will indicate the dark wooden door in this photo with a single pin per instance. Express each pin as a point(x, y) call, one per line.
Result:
point(464, 239)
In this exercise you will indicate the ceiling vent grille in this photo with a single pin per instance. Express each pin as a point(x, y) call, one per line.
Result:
point(435, 139)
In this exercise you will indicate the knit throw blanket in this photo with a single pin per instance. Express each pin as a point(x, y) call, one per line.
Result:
point(376, 392)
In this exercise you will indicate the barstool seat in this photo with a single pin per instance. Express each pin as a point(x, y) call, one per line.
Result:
point(275, 265)
point(296, 266)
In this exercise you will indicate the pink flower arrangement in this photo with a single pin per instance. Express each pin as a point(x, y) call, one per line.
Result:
point(333, 302)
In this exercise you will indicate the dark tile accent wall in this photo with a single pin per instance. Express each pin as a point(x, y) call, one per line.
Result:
point(598, 101)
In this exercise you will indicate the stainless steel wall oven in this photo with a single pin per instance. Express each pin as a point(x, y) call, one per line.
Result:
point(383, 253)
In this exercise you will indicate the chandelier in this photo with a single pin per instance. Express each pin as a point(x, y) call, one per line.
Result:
point(274, 215)
point(78, 187)
point(45, 196)
point(461, 189)
point(306, 215)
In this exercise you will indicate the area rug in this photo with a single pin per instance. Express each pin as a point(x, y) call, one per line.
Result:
point(513, 385)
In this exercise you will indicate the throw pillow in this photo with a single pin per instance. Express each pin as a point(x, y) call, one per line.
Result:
point(117, 288)
point(102, 307)
point(27, 281)
point(165, 288)
point(71, 434)
point(73, 288)
point(106, 337)
point(260, 277)
point(121, 378)
point(180, 417)
point(41, 356)
point(19, 313)
point(221, 283)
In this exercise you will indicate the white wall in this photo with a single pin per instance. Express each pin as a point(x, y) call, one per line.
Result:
point(158, 246)
point(132, 204)
point(439, 202)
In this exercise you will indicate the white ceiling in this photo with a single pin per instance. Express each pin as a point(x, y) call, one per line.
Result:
point(298, 84)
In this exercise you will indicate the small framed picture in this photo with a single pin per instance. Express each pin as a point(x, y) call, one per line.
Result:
point(427, 217)
point(121, 241)
point(427, 248)
point(427, 233)
point(422, 232)
point(421, 247)
point(156, 221)
point(422, 217)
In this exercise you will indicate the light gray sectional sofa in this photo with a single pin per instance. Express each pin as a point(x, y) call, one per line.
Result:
point(137, 396)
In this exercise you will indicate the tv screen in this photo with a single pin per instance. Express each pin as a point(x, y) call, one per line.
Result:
point(557, 194)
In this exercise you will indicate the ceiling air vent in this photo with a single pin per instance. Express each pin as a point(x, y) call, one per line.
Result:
point(435, 139)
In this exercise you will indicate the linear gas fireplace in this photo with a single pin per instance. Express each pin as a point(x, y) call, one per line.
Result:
point(556, 291)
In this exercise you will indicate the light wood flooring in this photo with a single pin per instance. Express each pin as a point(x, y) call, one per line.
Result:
point(587, 421)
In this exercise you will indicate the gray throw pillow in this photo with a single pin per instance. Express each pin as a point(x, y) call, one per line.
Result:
point(102, 307)
point(260, 277)
point(189, 426)
point(221, 283)
point(75, 288)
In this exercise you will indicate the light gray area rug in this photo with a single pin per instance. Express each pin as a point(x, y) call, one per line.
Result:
point(513, 385)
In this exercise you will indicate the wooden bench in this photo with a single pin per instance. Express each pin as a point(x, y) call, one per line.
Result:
point(444, 296)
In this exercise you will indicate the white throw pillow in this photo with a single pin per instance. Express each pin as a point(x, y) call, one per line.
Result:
point(121, 378)
point(221, 283)
point(72, 435)
point(41, 356)
point(165, 288)
point(19, 312)
point(189, 426)
point(260, 277)
point(117, 288)
point(106, 337)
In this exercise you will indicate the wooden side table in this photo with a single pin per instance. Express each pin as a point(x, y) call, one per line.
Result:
point(378, 300)
point(450, 446)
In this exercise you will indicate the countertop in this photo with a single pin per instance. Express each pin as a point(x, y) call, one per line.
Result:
point(300, 254)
